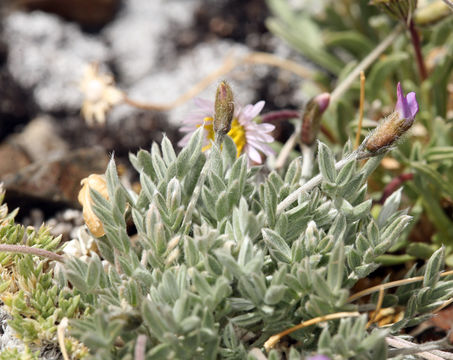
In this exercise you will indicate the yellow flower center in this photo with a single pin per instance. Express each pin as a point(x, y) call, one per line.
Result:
point(237, 133)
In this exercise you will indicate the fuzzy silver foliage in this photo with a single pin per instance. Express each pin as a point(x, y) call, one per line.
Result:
point(219, 281)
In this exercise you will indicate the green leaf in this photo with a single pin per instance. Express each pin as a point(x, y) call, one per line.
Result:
point(389, 208)
point(433, 268)
point(326, 163)
point(94, 271)
point(278, 248)
point(382, 70)
point(274, 294)
point(335, 268)
point(167, 151)
point(222, 208)
point(345, 174)
point(439, 153)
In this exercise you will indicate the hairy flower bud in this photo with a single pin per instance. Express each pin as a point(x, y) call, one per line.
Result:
point(311, 118)
point(392, 128)
point(224, 109)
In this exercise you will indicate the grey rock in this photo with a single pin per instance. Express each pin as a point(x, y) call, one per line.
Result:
point(136, 35)
point(47, 56)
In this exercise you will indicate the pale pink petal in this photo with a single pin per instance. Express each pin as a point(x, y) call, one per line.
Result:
point(264, 148)
point(246, 111)
point(266, 127)
point(262, 137)
point(257, 109)
point(253, 154)
point(185, 140)
point(204, 104)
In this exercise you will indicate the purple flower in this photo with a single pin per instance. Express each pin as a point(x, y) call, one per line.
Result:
point(406, 106)
point(393, 127)
point(318, 357)
point(250, 137)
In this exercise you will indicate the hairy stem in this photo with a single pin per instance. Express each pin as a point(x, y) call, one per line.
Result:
point(308, 157)
point(31, 250)
point(310, 185)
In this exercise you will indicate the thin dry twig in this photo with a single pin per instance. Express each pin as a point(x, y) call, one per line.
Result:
point(345, 84)
point(31, 250)
point(391, 285)
point(286, 150)
point(61, 328)
point(228, 65)
point(362, 100)
point(427, 351)
point(378, 307)
point(273, 340)
point(443, 305)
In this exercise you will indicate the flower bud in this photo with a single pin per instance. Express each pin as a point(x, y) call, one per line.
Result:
point(392, 128)
point(311, 118)
point(224, 109)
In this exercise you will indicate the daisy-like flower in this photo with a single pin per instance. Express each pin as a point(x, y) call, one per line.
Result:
point(100, 95)
point(249, 136)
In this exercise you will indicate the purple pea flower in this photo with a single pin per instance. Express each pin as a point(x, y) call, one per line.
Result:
point(393, 127)
point(406, 106)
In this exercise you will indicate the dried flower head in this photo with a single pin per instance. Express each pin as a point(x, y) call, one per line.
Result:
point(394, 126)
point(100, 95)
point(399, 9)
point(98, 183)
point(311, 118)
point(249, 136)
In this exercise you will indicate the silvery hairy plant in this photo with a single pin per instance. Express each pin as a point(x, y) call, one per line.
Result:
point(213, 258)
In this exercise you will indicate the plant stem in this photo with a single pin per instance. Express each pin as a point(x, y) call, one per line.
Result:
point(394, 185)
point(140, 348)
point(392, 284)
point(61, 328)
point(280, 115)
point(367, 61)
point(286, 150)
point(362, 101)
point(415, 38)
point(308, 157)
point(273, 340)
point(429, 350)
point(309, 185)
point(31, 250)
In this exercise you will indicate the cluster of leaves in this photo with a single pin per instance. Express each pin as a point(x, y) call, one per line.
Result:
point(337, 36)
point(34, 297)
point(240, 269)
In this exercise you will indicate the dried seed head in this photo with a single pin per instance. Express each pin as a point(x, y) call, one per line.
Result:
point(100, 94)
point(399, 9)
point(224, 109)
point(311, 118)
